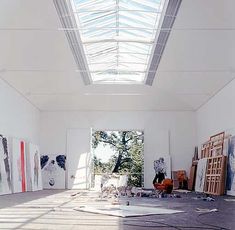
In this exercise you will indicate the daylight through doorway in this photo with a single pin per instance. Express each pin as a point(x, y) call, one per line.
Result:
point(119, 153)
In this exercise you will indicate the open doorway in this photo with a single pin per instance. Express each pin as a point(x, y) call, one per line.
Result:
point(120, 153)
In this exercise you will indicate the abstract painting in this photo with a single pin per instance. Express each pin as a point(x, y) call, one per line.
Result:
point(18, 166)
point(34, 177)
point(162, 166)
point(5, 170)
point(53, 171)
point(230, 183)
point(201, 174)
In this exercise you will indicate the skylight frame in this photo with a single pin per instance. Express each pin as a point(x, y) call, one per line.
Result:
point(122, 35)
point(139, 16)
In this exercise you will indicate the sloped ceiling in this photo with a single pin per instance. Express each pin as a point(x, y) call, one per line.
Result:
point(198, 60)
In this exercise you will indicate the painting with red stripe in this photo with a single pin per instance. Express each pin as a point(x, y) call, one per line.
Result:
point(18, 166)
point(22, 157)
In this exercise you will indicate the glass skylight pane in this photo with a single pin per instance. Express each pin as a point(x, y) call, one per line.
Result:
point(117, 37)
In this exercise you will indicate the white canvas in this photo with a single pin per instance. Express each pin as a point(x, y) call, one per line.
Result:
point(230, 183)
point(201, 174)
point(164, 165)
point(34, 177)
point(19, 183)
point(53, 171)
point(5, 169)
point(126, 211)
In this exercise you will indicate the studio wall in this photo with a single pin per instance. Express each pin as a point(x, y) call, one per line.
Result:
point(156, 125)
point(18, 118)
point(217, 114)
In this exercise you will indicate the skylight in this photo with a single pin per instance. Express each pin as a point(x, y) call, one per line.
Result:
point(117, 37)
point(114, 41)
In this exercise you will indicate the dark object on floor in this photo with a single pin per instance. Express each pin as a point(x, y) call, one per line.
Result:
point(166, 186)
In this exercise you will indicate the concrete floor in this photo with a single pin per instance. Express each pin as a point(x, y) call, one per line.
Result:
point(53, 209)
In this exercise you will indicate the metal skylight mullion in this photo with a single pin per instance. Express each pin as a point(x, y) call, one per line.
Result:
point(104, 59)
point(135, 33)
point(117, 31)
point(95, 4)
point(135, 56)
point(103, 51)
point(97, 33)
point(156, 25)
point(94, 17)
point(134, 29)
point(142, 4)
point(135, 46)
point(136, 22)
point(99, 22)
point(98, 46)
point(101, 63)
point(140, 16)
point(105, 25)
point(121, 9)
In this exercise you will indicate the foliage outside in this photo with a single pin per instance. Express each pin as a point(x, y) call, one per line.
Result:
point(127, 157)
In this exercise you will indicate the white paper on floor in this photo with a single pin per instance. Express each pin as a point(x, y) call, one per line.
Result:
point(126, 211)
point(181, 190)
point(230, 200)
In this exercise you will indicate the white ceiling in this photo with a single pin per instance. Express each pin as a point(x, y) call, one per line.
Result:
point(198, 60)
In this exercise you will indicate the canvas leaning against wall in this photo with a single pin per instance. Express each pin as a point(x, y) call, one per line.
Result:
point(5, 169)
point(53, 171)
point(163, 165)
point(201, 174)
point(230, 183)
point(18, 166)
point(34, 177)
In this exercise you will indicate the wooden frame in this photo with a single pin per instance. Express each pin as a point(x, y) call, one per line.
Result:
point(215, 175)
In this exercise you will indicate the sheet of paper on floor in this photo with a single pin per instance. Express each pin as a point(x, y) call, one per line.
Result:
point(126, 211)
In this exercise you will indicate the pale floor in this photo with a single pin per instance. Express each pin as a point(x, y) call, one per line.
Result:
point(54, 209)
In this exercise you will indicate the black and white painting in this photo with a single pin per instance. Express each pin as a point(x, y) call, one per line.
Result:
point(201, 174)
point(162, 166)
point(53, 171)
point(5, 170)
point(34, 178)
point(230, 183)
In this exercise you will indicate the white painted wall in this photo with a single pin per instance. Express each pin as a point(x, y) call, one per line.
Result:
point(18, 118)
point(182, 126)
point(218, 114)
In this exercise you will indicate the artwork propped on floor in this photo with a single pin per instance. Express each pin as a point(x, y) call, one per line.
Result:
point(230, 183)
point(201, 174)
point(18, 166)
point(34, 179)
point(53, 171)
point(5, 170)
point(163, 165)
point(126, 211)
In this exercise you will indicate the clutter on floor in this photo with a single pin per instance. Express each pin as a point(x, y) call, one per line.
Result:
point(54, 209)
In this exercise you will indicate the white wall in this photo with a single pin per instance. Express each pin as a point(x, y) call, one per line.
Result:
point(18, 118)
point(218, 114)
point(182, 126)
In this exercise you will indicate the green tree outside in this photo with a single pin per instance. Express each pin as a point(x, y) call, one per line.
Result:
point(128, 154)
